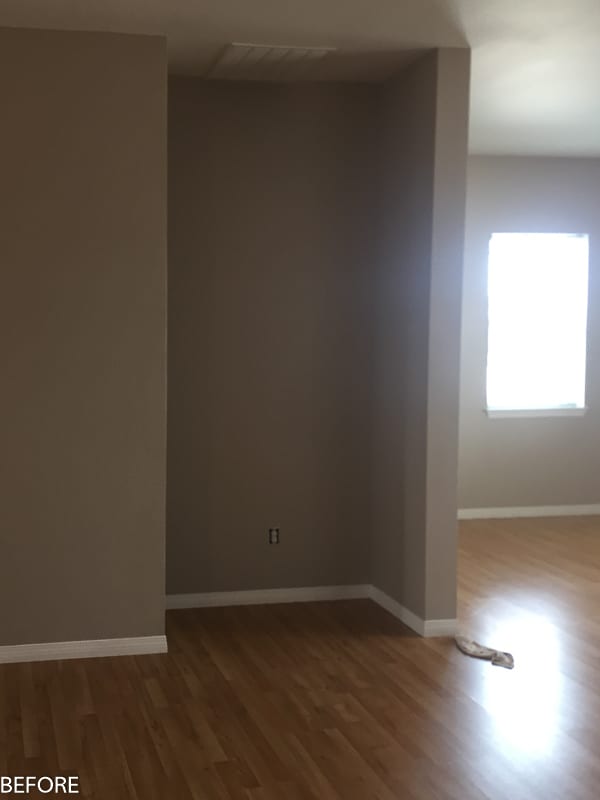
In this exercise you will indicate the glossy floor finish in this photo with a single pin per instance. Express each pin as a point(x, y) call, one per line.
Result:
point(338, 700)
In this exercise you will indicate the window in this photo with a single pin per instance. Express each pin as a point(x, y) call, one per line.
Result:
point(537, 323)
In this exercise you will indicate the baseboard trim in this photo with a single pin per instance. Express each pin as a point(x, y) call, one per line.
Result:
point(529, 511)
point(92, 648)
point(440, 627)
point(308, 594)
point(251, 597)
point(397, 610)
point(427, 628)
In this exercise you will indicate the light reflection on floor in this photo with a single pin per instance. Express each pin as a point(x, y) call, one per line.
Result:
point(525, 703)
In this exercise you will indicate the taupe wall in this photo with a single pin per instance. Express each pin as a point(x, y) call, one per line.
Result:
point(271, 210)
point(314, 306)
point(82, 316)
point(445, 298)
point(418, 334)
point(402, 335)
point(542, 461)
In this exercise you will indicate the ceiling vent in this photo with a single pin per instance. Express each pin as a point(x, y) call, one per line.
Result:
point(265, 62)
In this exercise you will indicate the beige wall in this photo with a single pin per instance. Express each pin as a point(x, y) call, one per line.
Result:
point(418, 332)
point(82, 219)
point(447, 254)
point(402, 334)
point(542, 461)
point(313, 369)
point(271, 208)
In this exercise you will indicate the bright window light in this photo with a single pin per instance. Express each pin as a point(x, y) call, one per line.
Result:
point(537, 317)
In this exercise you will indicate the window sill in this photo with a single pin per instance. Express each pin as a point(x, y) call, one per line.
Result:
point(503, 413)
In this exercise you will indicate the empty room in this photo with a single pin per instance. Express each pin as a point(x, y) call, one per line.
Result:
point(301, 444)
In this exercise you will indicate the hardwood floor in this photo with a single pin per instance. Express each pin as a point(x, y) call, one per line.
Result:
point(338, 700)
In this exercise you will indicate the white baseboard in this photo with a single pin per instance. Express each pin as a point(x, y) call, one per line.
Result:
point(427, 628)
point(397, 610)
point(307, 594)
point(92, 648)
point(440, 627)
point(252, 597)
point(505, 512)
point(144, 645)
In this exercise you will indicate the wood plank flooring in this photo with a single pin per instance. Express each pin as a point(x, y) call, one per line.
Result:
point(339, 701)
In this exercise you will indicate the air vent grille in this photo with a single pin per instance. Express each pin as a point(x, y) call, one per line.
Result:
point(263, 62)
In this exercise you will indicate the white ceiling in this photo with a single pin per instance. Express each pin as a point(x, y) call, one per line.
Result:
point(536, 63)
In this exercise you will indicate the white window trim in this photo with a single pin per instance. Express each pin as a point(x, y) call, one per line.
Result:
point(504, 413)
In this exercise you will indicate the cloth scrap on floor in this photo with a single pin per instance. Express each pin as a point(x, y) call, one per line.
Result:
point(476, 650)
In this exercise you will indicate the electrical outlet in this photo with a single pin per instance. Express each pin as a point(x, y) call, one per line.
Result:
point(273, 535)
